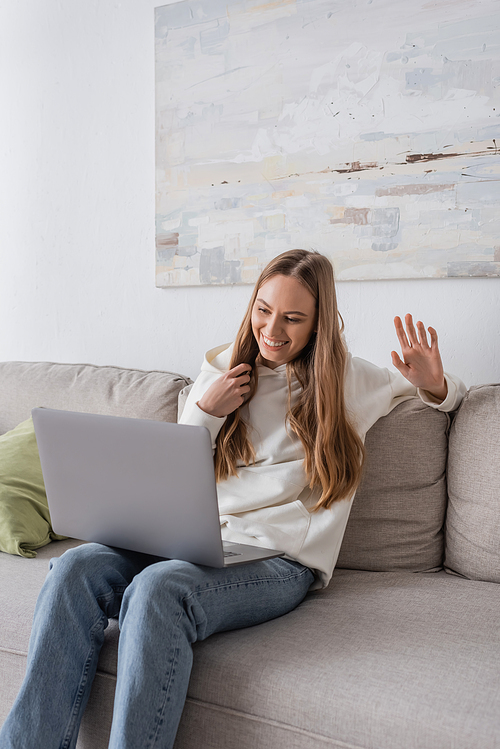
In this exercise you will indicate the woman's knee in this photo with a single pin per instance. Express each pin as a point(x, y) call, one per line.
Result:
point(163, 586)
point(100, 569)
point(163, 577)
point(78, 560)
point(93, 573)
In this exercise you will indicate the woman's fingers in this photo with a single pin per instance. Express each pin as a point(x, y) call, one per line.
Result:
point(240, 375)
point(242, 380)
point(410, 329)
point(434, 337)
point(421, 363)
point(239, 370)
point(401, 333)
point(422, 335)
point(412, 338)
point(228, 392)
point(399, 364)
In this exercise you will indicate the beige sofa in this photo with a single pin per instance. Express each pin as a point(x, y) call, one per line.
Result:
point(397, 653)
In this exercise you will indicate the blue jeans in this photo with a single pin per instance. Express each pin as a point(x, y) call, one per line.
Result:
point(163, 607)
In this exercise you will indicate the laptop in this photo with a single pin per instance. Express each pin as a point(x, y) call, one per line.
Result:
point(137, 484)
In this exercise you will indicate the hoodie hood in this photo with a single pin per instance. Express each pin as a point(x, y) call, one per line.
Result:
point(218, 359)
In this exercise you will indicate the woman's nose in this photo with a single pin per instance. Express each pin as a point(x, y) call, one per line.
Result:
point(273, 327)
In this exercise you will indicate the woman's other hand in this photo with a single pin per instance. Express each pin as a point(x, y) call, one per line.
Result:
point(421, 364)
point(228, 392)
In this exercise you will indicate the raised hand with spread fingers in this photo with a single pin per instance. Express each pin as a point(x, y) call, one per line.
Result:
point(421, 364)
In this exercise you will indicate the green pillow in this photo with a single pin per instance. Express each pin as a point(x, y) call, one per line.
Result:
point(24, 514)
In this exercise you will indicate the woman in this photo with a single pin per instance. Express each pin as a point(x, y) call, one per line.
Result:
point(287, 409)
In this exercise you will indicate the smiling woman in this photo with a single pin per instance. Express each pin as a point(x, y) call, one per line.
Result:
point(283, 319)
point(292, 319)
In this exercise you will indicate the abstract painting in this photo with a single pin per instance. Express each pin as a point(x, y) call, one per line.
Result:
point(368, 130)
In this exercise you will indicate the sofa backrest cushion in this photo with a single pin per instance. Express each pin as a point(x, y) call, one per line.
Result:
point(473, 519)
point(88, 388)
point(181, 401)
point(396, 521)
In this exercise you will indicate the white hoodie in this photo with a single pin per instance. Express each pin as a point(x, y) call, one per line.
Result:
point(269, 504)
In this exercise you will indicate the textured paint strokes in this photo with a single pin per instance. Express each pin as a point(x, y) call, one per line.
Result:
point(318, 124)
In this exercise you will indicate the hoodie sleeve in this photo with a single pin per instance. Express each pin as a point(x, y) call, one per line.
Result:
point(194, 415)
point(372, 392)
point(455, 395)
point(456, 391)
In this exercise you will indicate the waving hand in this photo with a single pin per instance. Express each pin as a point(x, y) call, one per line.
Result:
point(421, 363)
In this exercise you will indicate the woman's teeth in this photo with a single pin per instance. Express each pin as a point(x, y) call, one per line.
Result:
point(270, 343)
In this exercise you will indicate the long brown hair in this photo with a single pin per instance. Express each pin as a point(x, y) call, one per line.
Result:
point(334, 452)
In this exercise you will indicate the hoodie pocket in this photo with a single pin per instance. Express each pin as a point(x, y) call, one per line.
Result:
point(283, 527)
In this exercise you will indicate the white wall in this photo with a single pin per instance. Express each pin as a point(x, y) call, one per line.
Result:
point(77, 215)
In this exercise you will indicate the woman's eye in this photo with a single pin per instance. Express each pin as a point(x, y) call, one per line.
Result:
point(266, 312)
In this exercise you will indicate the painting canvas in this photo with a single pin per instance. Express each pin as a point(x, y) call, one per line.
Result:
point(368, 130)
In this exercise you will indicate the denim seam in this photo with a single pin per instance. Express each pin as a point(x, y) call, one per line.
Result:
point(247, 581)
point(197, 593)
point(161, 710)
point(81, 689)
point(107, 597)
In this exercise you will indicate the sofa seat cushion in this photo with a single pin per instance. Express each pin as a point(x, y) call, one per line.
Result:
point(386, 660)
point(22, 579)
point(378, 659)
point(85, 387)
